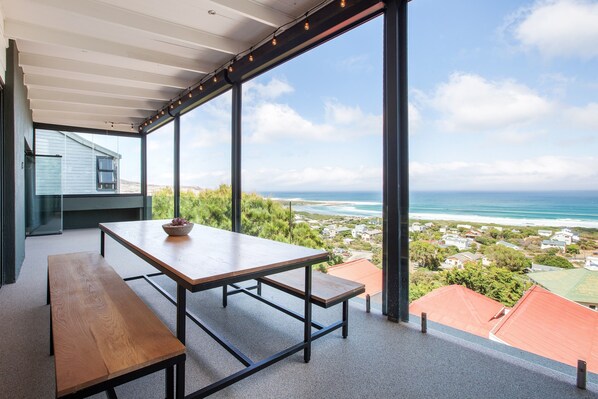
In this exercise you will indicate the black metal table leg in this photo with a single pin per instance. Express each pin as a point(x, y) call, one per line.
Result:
point(169, 382)
point(224, 295)
point(345, 318)
point(102, 242)
point(307, 321)
point(181, 310)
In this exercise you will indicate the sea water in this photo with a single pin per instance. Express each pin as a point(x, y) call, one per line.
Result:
point(546, 208)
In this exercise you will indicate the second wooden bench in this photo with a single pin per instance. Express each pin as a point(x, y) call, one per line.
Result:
point(102, 333)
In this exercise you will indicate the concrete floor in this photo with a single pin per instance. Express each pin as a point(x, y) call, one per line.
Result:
point(380, 359)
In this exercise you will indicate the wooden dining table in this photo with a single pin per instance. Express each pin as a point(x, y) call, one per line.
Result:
point(209, 258)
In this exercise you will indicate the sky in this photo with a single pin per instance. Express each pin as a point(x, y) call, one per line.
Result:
point(503, 95)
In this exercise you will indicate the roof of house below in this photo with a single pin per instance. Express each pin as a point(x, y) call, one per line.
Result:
point(361, 271)
point(579, 285)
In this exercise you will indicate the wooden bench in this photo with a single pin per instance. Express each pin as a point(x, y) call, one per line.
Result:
point(326, 290)
point(102, 333)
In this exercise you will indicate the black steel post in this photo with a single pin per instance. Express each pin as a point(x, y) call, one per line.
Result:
point(582, 374)
point(144, 175)
point(237, 104)
point(169, 382)
point(395, 165)
point(177, 165)
point(345, 318)
point(102, 243)
point(224, 295)
point(307, 321)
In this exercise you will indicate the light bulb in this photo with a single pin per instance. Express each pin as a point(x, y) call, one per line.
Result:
point(200, 87)
point(230, 67)
point(215, 79)
point(306, 24)
point(250, 57)
point(274, 42)
point(343, 3)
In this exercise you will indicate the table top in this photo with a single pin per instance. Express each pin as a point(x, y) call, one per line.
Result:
point(209, 257)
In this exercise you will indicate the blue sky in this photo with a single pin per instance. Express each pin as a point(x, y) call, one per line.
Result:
point(502, 96)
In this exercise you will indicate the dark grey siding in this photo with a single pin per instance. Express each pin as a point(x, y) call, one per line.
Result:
point(18, 134)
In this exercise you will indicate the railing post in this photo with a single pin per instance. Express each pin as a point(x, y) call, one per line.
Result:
point(424, 322)
point(368, 303)
point(582, 374)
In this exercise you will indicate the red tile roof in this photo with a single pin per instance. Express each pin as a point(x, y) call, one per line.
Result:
point(551, 326)
point(461, 308)
point(362, 271)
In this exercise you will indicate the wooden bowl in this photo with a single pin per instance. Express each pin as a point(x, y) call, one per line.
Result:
point(177, 230)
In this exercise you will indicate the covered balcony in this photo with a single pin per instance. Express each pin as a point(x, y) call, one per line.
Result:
point(100, 77)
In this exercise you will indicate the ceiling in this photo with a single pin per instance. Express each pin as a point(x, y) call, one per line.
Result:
point(109, 64)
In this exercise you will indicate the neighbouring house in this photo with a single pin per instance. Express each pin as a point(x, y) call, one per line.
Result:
point(429, 225)
point(459, 307)
point(460, 242)
point(485, 228)
point(545, 233)
point(464, 226)
point(566, 235)
point(551, 326)
point(560, 245)
point(544, 268)
point(417, 227)
point(473, 234)
point(578, 285)
point(498, 228)
point(592, 263)
point(368, 235)
point(87, 168)
point(509, 245)
point(460, 259)
point(442, 230)
point(358, 230)
point(362, 271)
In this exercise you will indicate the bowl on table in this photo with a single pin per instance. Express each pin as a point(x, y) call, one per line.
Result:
point(177, 230)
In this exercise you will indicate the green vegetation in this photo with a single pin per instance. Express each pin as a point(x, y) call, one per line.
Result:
point(553, 260)
point(260, 217)
point(507, 258)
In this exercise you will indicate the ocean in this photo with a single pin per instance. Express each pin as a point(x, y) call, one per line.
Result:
point(547, 208)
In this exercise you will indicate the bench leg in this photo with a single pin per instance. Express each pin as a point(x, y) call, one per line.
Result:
point(307, 315)
point(345, 319)
point(111, 394)
point(51, 335)
point(170, 382)
point(224, 296)
point(259, 288)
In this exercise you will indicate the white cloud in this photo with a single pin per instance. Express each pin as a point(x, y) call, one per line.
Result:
point(269, 121)
point(356, 63)
point(315, 178)
point(559, 28)
point(584, 117)
point(470, 103)
point(273, 89)
point(546, 172)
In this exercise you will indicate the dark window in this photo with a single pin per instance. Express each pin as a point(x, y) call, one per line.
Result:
point(106, 173)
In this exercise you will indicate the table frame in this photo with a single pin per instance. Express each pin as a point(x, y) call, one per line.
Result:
point(182, 313)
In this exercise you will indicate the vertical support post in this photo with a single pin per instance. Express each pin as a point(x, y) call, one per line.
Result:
point(237, 103)
point(368, 303)
point(169, 382)
point(395, 165)
point(177, 165)
point(102, 243)
point(224, 295)
point(345, 318)
point(181, 314)
point(146, 211)
point(582, 374)
point(424, 322)
point(307, 321)
point(259, 288)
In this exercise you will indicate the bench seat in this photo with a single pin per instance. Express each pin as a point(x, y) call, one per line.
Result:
point(326, 290)
point(103, 334)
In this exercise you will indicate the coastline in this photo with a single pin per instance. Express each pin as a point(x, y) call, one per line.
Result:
point(335, 208)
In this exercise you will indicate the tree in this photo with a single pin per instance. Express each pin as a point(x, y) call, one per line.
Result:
point(424, 254)
point(553, 260)
point(497, 283)
point(572, 249)
point(423, 281)
point(507, 258)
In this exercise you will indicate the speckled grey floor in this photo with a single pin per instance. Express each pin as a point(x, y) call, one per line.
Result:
point(379, 359)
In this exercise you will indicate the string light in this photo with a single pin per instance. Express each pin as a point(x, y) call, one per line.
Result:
point(190, 94)
point(162, 112)
point(251, 57)
point(274, 42)
point(180, 101)
point(215, 78)
point(343, 3)
point(171, 106)
point(306, 24)
point(230, 67)
point(200, 87)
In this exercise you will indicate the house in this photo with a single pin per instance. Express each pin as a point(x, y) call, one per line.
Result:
point(368, 235)
point(87, 168)
point(509, 245)
point(560, 245)
point(429, 225)
point(578, 285)
point(544, 268)
point(551, 326)
point(460, 259)
point(545, 233)
point(565, 237)
point(417, 227)
point(473, 234)
point(498, 228)
point(591, 263)
point(459, 307)
point(464, 226)
point(442, 230)
point(459, 242)
point(358, 230)
point(485, 228)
